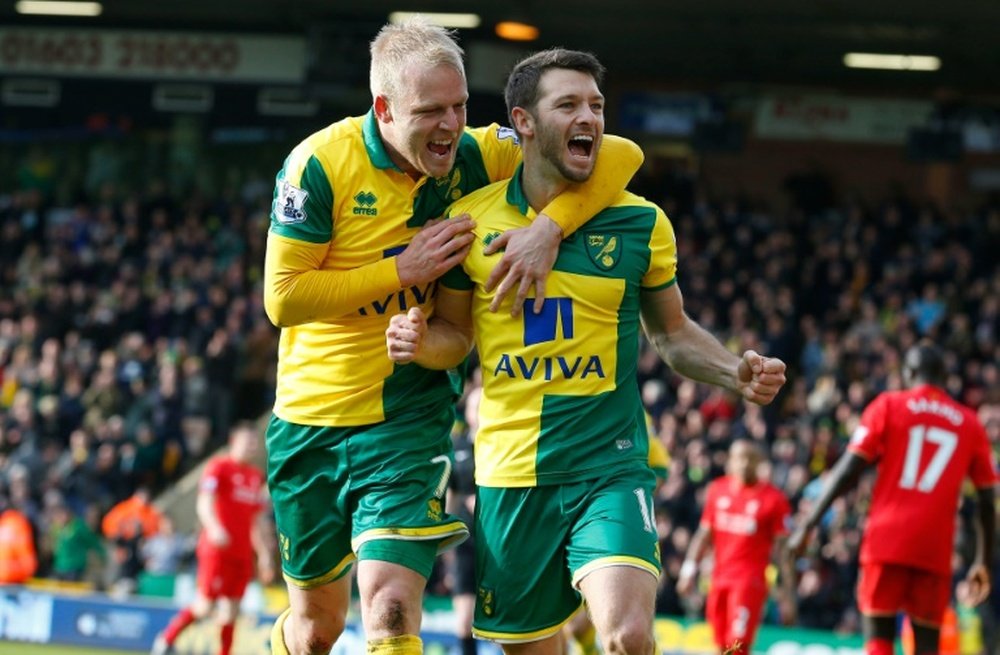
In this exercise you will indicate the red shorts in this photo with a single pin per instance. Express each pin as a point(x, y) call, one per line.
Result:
point(219, 577)
point(734, 613)
point(885, 589)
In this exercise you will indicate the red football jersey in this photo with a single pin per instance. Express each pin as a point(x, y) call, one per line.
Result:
point(925, 445)
point(239, 495)
point(744, 522)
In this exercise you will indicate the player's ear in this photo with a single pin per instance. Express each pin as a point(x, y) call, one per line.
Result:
point(523, 121)
point(382, 111)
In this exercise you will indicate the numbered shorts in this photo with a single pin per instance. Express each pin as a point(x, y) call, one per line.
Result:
point(535, 544)
point(221, 576)
point(734, 613)
point(376, 491)
point(886, 589)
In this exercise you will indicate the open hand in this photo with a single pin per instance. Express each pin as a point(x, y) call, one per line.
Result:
point(977, 586)
point(441, 245)
point(529, 254)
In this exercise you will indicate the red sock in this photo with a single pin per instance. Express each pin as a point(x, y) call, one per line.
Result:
point(181, 620)
point(226, 639)
point(878, 647)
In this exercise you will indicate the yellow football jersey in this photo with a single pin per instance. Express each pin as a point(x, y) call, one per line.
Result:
point(337, 204)
point(560, 398)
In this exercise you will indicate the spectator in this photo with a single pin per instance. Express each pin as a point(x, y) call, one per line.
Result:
point(18, 558)
point(72, 543)
point(125, 525)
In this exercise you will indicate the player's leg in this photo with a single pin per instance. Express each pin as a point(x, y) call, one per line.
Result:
point(399, 475)
point(308, 477)
point(392, 595)
point(613, 554)
point(926, 605)
point(882, 590)
point(199, 608)
point(621, 600)
point(226, 612)
point(746, 604)
point(236, 576)
point(314, 619)
point(879, 632)
point(926, 638)
point(717, 615)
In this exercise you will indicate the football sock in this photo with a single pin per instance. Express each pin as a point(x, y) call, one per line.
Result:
point(402, 645)
point(181, 620)
point(878, 647)
point(226, 639)
point(277, 635)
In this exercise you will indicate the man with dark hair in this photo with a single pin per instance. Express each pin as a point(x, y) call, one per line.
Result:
point(564, 491)
point(745, 519)
point(359, 450)
point(924, 444)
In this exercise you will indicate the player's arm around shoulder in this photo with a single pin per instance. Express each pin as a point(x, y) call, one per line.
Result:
point(618, 160)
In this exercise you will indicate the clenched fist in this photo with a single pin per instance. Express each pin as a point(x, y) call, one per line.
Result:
point(760, 378)
point(405, 334)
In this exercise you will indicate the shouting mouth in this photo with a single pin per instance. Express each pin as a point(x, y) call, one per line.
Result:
point(441, 147)
point(581, 146)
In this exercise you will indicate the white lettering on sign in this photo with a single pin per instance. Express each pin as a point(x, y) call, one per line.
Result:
point(25, 616)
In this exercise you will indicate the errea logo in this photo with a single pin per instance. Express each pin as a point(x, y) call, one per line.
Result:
point(366, 203)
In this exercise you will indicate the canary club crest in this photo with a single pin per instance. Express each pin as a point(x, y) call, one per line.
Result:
point(434, 511)
point(486, 601)
point(604, 249)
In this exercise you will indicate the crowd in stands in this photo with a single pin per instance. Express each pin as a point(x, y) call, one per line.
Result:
point(839, 292)
point(132, 335)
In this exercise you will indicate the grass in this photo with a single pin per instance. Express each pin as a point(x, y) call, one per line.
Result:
point(20, 648)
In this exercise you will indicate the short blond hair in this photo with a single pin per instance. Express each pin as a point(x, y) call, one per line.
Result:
point(415, 40)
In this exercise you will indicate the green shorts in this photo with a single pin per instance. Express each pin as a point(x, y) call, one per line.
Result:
point(372, 491)
point(535, 544)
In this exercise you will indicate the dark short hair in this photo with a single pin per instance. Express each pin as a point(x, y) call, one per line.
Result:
point(522, 84)
point(925, 363)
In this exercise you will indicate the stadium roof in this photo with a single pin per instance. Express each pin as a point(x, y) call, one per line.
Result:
point(671, 42)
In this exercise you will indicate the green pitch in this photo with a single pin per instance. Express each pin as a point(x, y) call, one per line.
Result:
point(18, 648)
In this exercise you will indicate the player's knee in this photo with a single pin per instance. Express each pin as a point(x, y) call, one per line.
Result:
point(201, 607)
point(389, 611)
point(630, 637)
point(313, 635)
point(226, 613)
